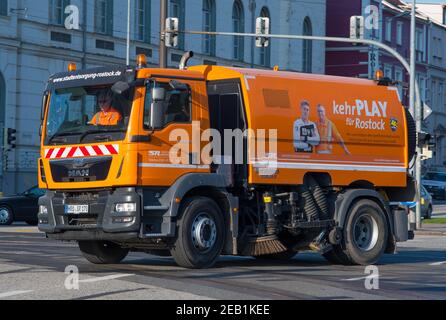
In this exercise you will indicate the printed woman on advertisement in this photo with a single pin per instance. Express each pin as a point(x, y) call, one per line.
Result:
point(306, 134)
point(329, 134)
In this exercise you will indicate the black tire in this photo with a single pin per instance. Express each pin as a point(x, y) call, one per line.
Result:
point(429, 213)
point(202, 252)
point(365, 233)
point(32, 223)
point(337, 256)
point(6, 216)
point(102, 252)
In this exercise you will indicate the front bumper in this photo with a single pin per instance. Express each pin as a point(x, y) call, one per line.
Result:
point(102, 221)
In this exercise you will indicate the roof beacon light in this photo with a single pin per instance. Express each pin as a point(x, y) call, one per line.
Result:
point(72, 67)
point(379, 75)
point(141, 61)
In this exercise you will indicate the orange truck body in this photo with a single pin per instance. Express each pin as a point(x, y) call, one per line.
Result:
point(363, 144)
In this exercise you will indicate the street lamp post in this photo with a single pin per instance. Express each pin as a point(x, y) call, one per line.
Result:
point(415, 108)
point(128, 33)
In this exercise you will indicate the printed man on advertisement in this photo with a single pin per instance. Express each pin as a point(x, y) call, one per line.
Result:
point(306, 135)
point(329, 134)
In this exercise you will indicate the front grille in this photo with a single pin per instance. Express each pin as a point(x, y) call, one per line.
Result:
point(96, 201)
point(74, 198)
point(81, 170)
point(87, 221)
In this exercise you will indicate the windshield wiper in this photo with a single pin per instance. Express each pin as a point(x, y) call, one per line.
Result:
point(60, 135)
point(87, 133)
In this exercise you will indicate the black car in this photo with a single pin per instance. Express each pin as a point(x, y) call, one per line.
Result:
point(21, 207)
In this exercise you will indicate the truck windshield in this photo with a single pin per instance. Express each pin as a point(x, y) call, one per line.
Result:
point(86, 114)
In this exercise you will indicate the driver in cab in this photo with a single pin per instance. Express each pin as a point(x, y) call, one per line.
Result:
point(108, 116)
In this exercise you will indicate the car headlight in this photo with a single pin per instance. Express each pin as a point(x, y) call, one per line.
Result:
point(126, 207)
point(43, 210)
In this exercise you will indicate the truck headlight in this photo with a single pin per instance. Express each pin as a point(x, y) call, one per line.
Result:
point(43, 210)
point(126, 207)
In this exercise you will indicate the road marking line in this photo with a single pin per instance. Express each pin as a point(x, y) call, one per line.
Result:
point(438, 263)
point(14, 293)
point(112, 277)
point(362, 278)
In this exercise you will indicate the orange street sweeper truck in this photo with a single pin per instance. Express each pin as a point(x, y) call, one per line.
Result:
point(207, 161)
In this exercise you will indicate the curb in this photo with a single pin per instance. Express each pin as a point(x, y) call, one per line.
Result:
point(430, 233)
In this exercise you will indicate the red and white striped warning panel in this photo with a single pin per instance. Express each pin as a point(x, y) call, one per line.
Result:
point(86, 151)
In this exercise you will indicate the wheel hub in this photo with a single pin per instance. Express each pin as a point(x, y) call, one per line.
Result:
point(4, 215)
point(365, 232)
point(204, 232)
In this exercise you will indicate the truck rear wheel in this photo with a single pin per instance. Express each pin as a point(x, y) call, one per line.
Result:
point(201, 234)
point(102, 252)
point(337, 256)
point(365, 233)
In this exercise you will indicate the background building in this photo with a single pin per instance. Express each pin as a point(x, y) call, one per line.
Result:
point(34, 44)
point(436, 81)
point(394, 30)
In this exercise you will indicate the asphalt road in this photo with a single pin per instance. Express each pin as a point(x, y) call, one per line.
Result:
point(32, 267)
point(439, 209)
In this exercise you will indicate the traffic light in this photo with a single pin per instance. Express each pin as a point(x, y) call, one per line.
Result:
point(424, 139)
point(262, 28)
point(357, 27)
point(9, 138)
point(426, 145)
point(171, 35)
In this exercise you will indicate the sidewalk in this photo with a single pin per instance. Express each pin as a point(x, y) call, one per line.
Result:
point(428, 229)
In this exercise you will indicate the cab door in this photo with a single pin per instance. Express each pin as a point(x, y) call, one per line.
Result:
point(161, 161)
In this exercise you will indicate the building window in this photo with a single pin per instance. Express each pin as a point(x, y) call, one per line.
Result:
point(441, 97)
point(388, 71)
point(104, 17)
point(399, 33)
point(399, 79)
point(178, 10)
point(238, 25)
point(419, 36)
point(307, 47)
point(143, 20)
point(421, 79)
point(388, 29)
point(3, 7)
point(209, 25)
point(57, 11)
point(265, 53)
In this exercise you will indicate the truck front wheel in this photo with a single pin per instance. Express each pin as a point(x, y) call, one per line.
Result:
point(200, 235)
point(365, 233)
point(102, 252)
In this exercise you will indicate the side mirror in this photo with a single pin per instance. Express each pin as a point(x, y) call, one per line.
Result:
point(44, 103)
point(158, 94)
point(157, 114)
point(120, 87)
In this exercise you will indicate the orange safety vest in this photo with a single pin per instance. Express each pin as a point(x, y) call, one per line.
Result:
point(110, 118)
point(329, 135)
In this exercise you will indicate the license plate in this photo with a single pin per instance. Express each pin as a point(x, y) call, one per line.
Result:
point(76, 208)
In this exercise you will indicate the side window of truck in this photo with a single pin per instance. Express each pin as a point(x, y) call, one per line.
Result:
point(176, 106)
